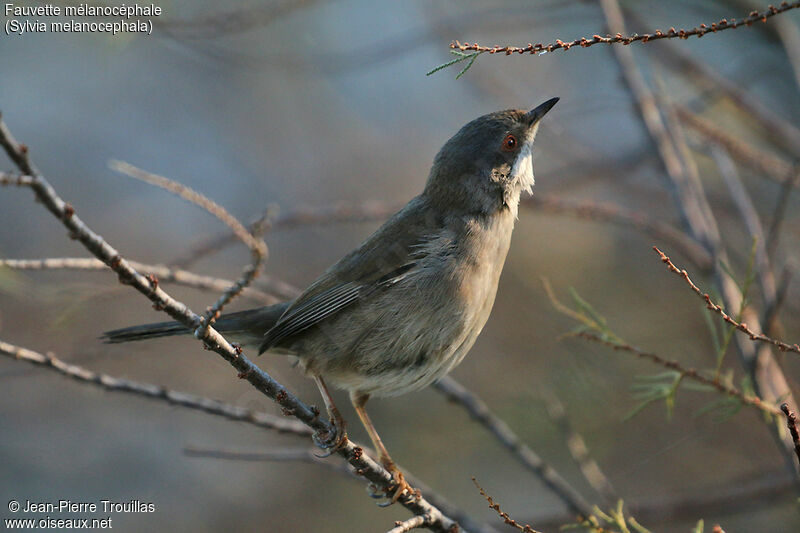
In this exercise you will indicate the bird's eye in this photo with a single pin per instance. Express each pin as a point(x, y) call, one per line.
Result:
point(509, 143)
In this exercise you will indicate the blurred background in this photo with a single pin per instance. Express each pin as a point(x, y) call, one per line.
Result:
point(316, 104)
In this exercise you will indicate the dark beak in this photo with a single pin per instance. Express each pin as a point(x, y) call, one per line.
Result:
point(536, 114)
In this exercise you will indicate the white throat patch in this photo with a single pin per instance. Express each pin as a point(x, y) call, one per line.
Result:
point(522, 177)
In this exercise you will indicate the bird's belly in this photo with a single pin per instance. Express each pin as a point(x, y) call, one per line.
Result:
point(423, 335)
point(416, 332)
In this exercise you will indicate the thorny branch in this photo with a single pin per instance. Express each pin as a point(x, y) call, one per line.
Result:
point(690, 373)
point(504, 515)
point(784, 347)
point(672, 33)
point(44, 192)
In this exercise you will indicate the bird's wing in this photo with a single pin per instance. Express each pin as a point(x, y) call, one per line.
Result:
point(383, 260)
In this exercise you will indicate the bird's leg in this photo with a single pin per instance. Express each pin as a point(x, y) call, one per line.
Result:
point(401, 486)
point(332, 442)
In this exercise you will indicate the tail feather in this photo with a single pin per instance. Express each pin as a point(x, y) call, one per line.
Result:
point(252, 323)
point(143, 332)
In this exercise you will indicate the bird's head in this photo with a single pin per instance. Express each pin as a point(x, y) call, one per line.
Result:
point(486, 165)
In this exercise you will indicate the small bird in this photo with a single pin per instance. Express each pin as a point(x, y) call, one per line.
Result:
point(404, 308)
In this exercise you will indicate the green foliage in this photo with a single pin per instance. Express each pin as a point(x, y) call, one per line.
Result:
point(699, 527)
point(650, 389)
point(664, 386)
point(600, 521)
point(460, 57)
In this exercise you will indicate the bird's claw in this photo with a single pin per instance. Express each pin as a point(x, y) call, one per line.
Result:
point(333, 441)
point(399, 488)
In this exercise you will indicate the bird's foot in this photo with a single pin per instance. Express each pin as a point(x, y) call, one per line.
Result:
point(332, 441)
point(399, 487)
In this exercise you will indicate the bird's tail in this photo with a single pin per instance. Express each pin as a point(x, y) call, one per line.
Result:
point(253, 322)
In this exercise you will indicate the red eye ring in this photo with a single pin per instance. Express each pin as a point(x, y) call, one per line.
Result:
point(509, 143)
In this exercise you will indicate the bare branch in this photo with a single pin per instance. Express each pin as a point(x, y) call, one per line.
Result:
point(791, 423)
point(156, 392)
point(754, 336)
point(300, 217)
point(672, 33)
point(456, 392)
point(615, 214)
point(163, 273)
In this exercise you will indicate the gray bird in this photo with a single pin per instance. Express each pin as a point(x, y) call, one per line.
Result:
point(404, 308)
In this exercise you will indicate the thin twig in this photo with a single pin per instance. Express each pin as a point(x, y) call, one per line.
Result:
point(300, 217)
point(690, 373)
point(407, 525)
point(791, 423)
point(194, 197)
point(505, 516)
point(456, 392)
point(672, 33)
point(763, 163)
point(364, 465)
point(162, 273)
point(754, 336)
point(156, 392)
point(615, 214)
point(253, 241)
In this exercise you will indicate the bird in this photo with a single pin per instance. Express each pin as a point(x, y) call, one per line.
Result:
point(403, 308)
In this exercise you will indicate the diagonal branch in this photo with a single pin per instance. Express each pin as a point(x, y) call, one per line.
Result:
point(753, 335)
point(456, 392)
